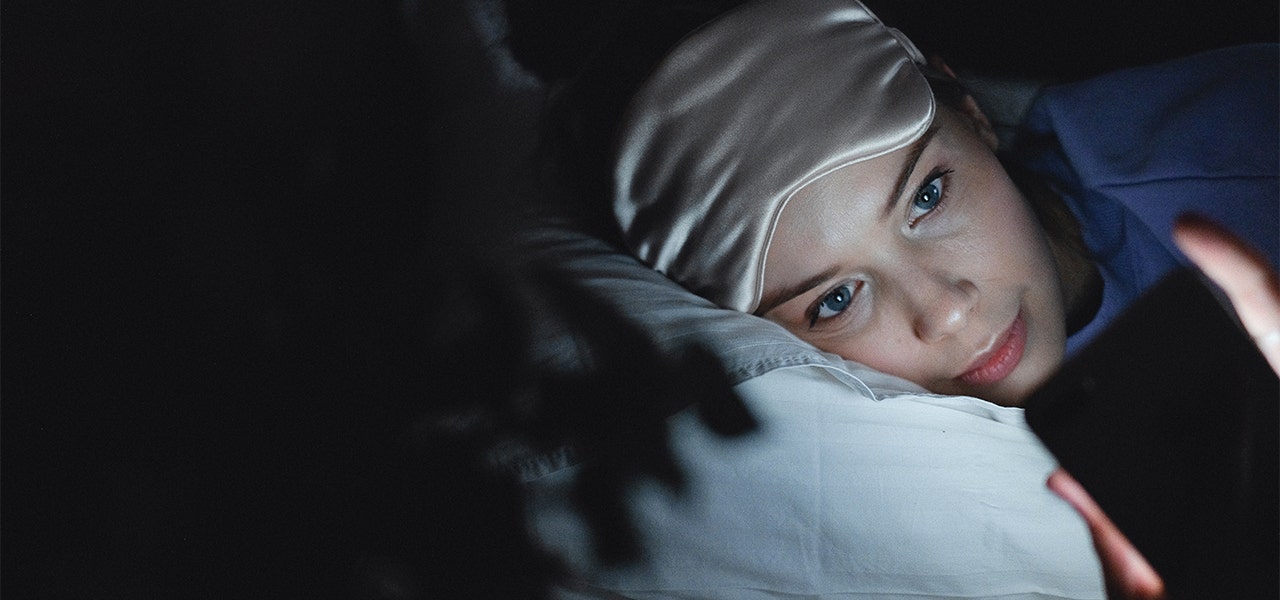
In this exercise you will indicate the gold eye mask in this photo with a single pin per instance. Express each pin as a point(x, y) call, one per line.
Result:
point(744, 112)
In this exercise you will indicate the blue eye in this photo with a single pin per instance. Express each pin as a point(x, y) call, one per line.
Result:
point(928, 197)
point(834, 303)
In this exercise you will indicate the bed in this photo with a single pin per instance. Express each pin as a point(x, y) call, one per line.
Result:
point(854, 484)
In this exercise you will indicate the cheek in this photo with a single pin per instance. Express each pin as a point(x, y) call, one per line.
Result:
point(886, 349)
point(1026, 259)
point(1005, 232)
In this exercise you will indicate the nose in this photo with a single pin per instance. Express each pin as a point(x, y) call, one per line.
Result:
point(941, 306)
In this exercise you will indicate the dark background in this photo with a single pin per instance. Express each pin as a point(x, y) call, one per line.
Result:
point(246, 245)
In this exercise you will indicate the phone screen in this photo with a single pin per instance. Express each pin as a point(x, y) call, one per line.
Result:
point(1169, 419)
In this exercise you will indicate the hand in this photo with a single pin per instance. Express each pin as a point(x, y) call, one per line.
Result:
point(1243, 273)
point(1254, 290)
point(1126, 572)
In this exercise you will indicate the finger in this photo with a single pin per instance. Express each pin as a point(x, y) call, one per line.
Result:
point(1243, 273)
point(1127, 573)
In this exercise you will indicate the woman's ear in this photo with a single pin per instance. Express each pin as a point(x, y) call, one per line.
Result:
point(969, 107)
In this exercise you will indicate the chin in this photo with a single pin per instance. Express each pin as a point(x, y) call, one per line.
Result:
point(998, 394)
point(1011, 398)
point(1010, 391)
point(1034, 369)
point(1015, 390)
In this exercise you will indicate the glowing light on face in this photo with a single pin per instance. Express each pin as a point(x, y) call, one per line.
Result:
point(926, 263)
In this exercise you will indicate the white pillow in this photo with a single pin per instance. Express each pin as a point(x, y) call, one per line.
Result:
point(674, 317)
point(856, 485)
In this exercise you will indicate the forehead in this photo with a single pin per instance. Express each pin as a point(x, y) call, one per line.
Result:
point(854, 204)
point(871, 185)
point(742, 112)
point(823, 218)
point(826, 210)
point(851, 184)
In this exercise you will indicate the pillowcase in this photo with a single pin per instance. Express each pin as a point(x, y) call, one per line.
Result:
point(839, 496)
point(855, 485)
point(747, 346)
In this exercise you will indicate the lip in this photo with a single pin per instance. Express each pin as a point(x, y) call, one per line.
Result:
point(998, 362)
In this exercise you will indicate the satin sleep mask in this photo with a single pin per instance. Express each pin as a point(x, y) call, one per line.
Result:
point(743, 113)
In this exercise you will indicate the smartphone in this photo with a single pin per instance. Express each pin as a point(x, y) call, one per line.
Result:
point(1169, 419)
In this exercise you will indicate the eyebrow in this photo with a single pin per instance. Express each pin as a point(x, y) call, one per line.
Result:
point(773, 300)
point(909, 167)
point(784, 295)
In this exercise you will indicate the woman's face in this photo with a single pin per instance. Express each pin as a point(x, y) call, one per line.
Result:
point(926, 263)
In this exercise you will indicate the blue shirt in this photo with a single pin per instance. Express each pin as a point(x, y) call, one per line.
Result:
point(1133, 150)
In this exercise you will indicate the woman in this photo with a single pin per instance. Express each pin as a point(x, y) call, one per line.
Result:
point(799, 161)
